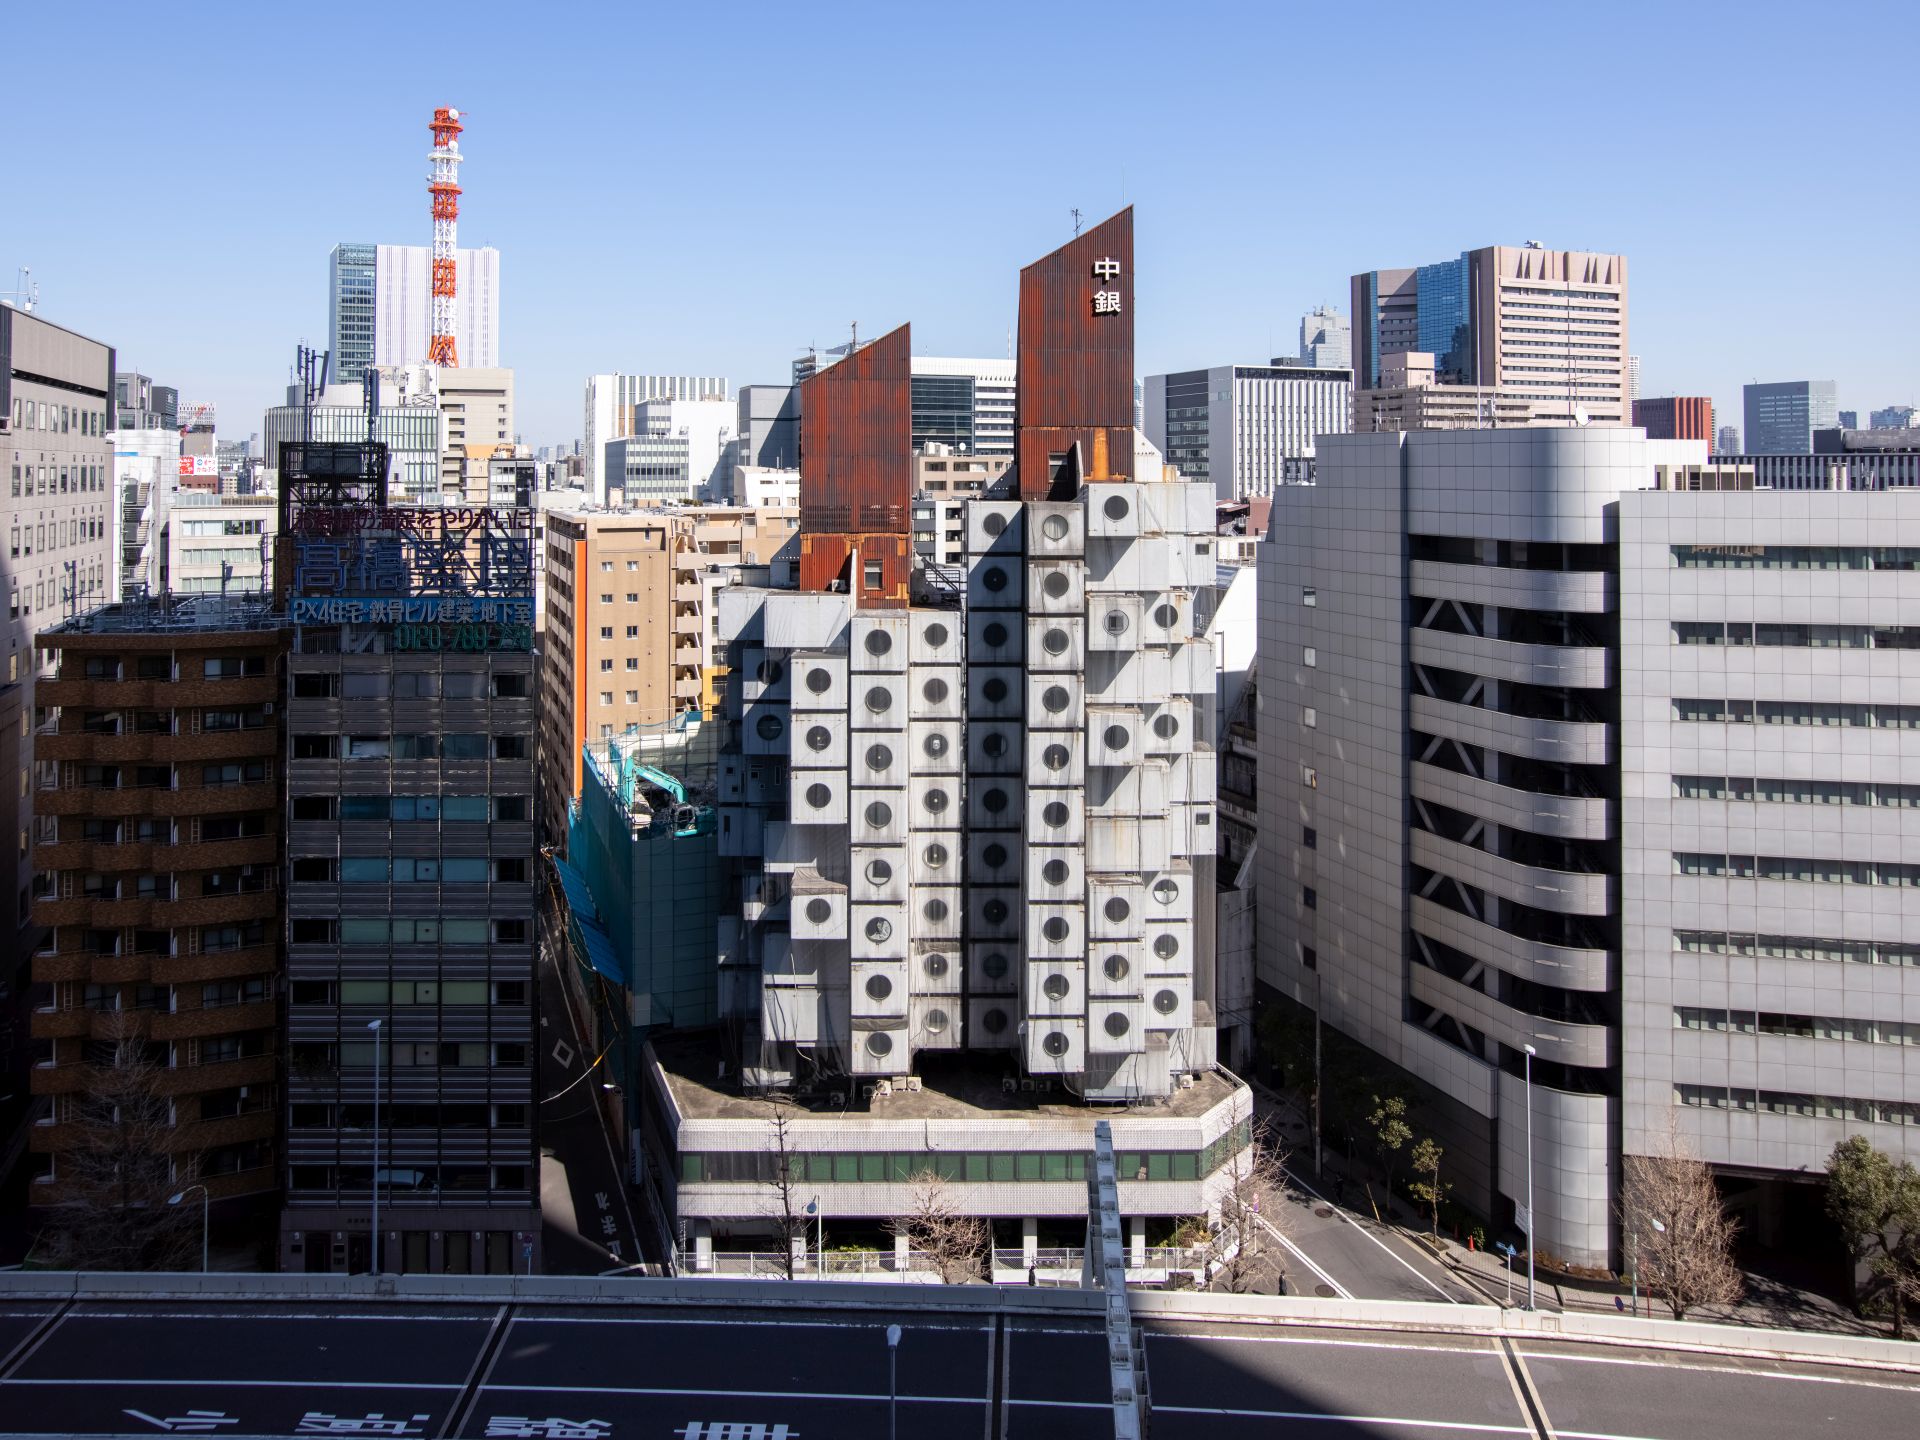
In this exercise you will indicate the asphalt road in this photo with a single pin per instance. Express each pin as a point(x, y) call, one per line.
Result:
point(118, 1368)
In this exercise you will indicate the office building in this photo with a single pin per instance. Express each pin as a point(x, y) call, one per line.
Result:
point(1545, 326)
point(767, 429)
point(403, 307)
point(1633, 379)
point(1765, 696)
point(139, 404)
point(159, 834)
point(1727, 441)
point(1893, 417)
point(678, 452)
point(410, 885)
point(1436, 723)
point(476, 424)
point(146, 478)
point(352, 310)
point(1235, 427)
point(631, 617)
point(758, 489)
point(407, 429)
point(1849, 419)
point(1326, 339)
point(220, 544)
point(1409, 398)
point(1781, 418)
point(610, 405)
point(964, 405)
point(1675, 417)
point(1844, 460)
point(970, 830)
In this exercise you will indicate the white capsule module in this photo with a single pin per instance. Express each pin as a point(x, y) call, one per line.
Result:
point(819, 682)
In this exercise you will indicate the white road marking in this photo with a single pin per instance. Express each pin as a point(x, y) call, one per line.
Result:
point(1679, 1361)
point(911, 1326)
point(1305, 1259)
point(563, 1053)
point(1468, 1348)
point(255, 1384)
point(734, 1394)
point(1385, 1248)
point(1408, 1420)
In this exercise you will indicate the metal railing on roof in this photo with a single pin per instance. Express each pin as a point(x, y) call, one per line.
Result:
point(169, 613)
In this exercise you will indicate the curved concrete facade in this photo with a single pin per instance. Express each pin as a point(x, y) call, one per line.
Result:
point(1439, 648)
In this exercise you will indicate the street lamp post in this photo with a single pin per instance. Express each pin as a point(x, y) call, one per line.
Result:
point(206, 1204)
point(893, 1382)
point(1531, 1221)
point(374, 1026)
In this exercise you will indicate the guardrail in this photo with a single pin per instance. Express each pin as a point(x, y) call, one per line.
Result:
point(982, 1300)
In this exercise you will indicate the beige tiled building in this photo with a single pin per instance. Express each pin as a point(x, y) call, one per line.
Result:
point(629, 623)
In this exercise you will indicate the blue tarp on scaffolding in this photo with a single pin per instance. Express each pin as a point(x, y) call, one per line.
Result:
point(592, 934)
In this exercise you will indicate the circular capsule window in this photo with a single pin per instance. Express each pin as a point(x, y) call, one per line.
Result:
point(994, 967)
point(995, 855)
point(1056, 585)
point(935, 635)
point(1117, 507)
point(1117, 1024)
point(934, 691)
point(994, 523)
point(1056, 698)
point(818, 737)
point(994, 634)
point(935, 745)
point(1166, 726)
point(1056, 987)
point(879, 699)
point(879, 1043)
point(819, 911)
point(819, 796)
point(879, 928)
point(1117, 909)
point(995, 912)
point(1055, 872)
point(879, 872)
point(994, 1022)
point(770, 727)
point(936, 1021)
point(935, 911)
point(1165, 891)
point(879, 815)
point(994, 743)
point(1056, 1044)
point(936, 801)
point(994, 692)
point(1166, 946)
point(879, 642)
point(1055, 641)
point(1056, 930)
point(1055, 527)
point(1056, 757)
point(768, 672)
point(1116, 967)
point(1166, 1002)
point(1056, 814)
point(993, 579)
point(1116, 622)
point(1166, 616)
point(936, 966)
point(1117, 737)
point(879, 757)
point(994, 801)
point(879, 987)
point(819, 681)
point(935, 856)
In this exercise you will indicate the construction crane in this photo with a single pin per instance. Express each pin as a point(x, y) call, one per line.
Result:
point(443, 185)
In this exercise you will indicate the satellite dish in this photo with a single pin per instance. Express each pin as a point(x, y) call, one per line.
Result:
point(1580, 416)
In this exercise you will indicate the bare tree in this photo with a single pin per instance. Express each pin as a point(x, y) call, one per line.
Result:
point(783, 1200)
point(1682, 1237)
point(117, 1180)
point(1251, 1186)
point(959, 1245)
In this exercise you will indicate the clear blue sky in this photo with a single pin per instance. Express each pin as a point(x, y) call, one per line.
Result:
point(709, 188)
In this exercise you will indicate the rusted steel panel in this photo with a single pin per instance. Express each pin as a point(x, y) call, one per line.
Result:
point(1076, 357)
point(856, 442)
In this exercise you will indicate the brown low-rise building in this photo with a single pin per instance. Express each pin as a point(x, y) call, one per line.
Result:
point(158, 826)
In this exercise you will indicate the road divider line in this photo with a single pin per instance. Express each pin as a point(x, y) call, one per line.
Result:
point(1385, 1248)
point(1478, 1427)
point(730, 1394)
point(1524, 1390)
point(477, 1374)
point(1305, 1259)
point(1669, 1364)
point(214, 1383)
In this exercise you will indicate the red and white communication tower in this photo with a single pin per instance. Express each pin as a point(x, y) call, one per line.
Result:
point(443, 184)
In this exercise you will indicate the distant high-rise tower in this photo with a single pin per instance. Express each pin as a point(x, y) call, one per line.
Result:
point(351, 309)
point(1849, 419)
point(1675, 417)
point(1326, 339)
point(1782, 417)
point(444, 186)
point(1633, 378)
point(1727, 442)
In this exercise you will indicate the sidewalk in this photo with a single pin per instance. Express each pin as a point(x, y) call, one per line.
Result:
point(1767, 1304)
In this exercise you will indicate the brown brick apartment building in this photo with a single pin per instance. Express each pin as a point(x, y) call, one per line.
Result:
point(158, 829)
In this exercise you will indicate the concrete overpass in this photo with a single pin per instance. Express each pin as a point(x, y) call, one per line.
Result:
point(241, 1355)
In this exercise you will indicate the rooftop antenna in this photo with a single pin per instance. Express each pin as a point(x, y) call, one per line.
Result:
point(27, 296)
point(1076, 222)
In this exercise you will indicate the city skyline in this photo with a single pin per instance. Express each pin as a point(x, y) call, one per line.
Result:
point(586, 251)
